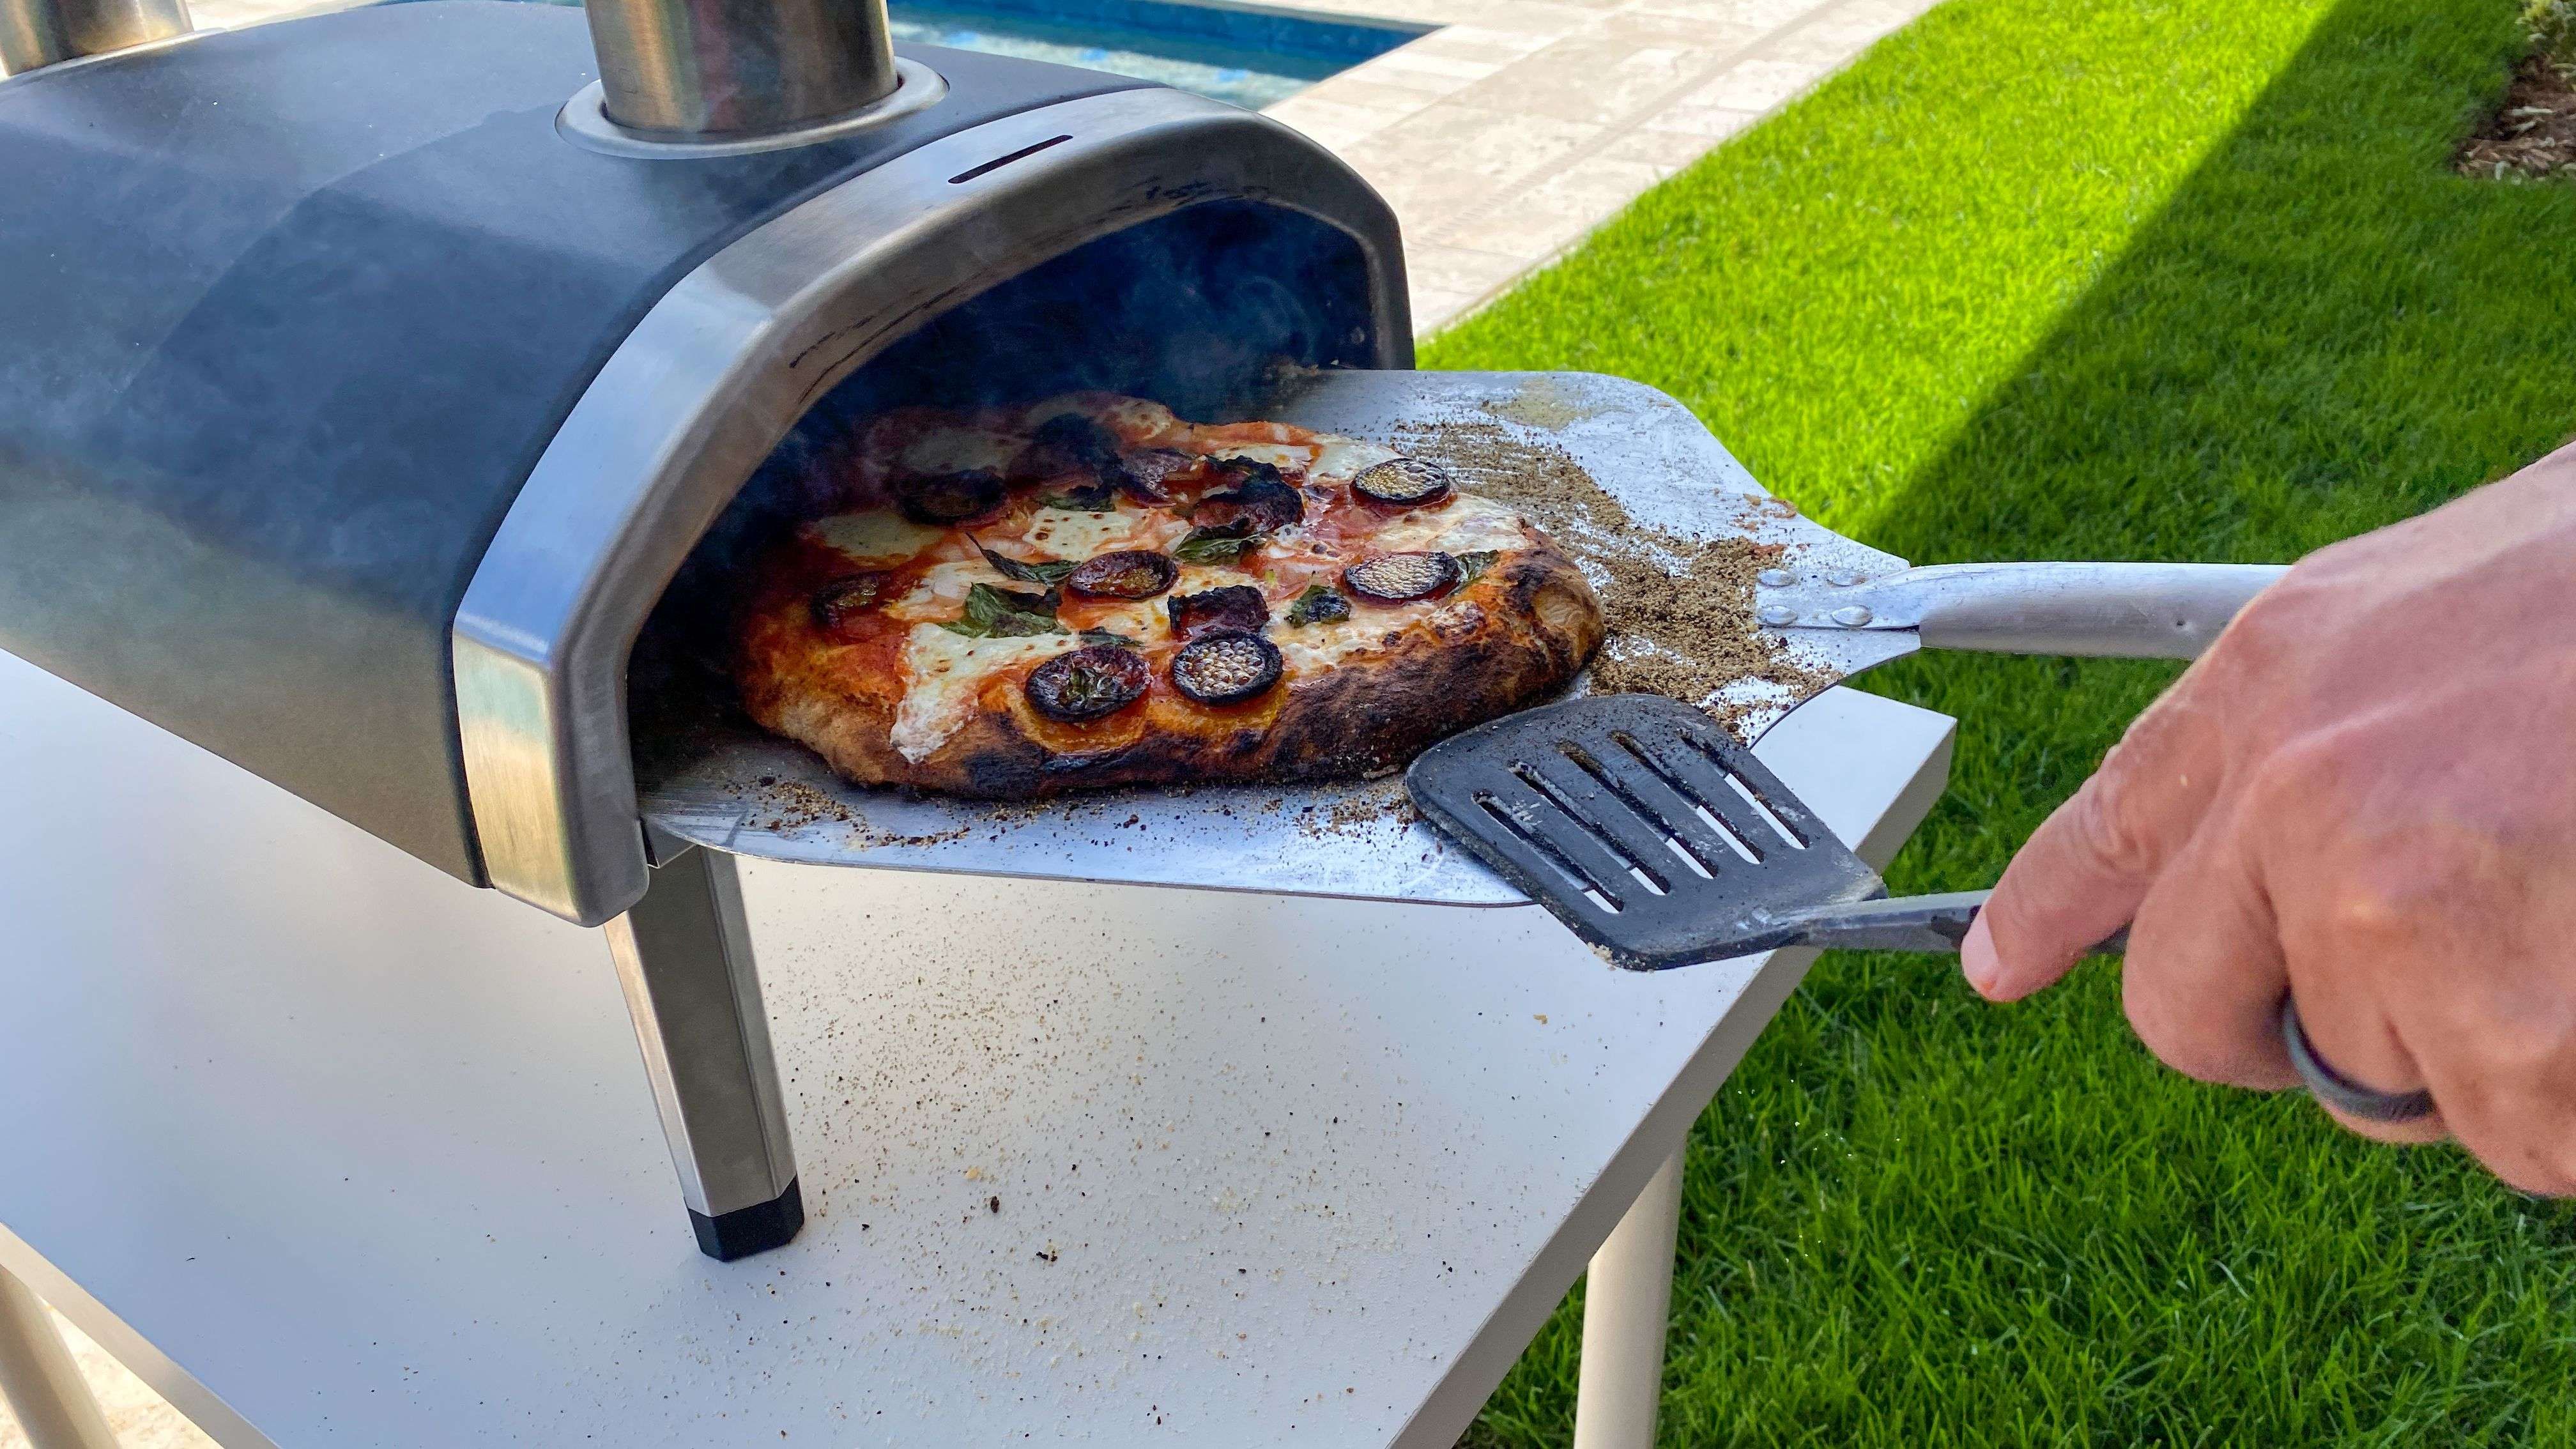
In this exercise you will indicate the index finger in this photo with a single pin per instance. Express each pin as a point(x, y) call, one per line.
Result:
point(2083, 872)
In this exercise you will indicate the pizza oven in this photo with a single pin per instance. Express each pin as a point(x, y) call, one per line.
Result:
point(371, 376)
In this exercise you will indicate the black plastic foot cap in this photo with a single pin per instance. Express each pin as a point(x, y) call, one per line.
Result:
point(755, 1229)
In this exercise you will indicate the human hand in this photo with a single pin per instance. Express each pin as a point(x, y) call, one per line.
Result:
point(2362, 797)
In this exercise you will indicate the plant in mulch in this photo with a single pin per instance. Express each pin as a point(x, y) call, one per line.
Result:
point(2534, 132)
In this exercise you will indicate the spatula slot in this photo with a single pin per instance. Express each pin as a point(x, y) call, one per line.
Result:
point(1781, 827)
point(1540, 849)
point(1599, 832)
point(1656, 821)
point(1693, 797)
point(1580, 802)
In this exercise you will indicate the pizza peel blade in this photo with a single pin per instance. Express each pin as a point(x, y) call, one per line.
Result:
point(713, 779)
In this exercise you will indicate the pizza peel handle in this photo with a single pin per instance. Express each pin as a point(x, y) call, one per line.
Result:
point(1658, 839)
point(2092, 610)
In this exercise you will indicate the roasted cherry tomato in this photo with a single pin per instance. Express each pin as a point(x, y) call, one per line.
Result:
point(1396, 578)
point(1088, 683)
point(1227, 666)
point(1128, 574)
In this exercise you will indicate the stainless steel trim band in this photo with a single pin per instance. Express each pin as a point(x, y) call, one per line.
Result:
point(728, 360)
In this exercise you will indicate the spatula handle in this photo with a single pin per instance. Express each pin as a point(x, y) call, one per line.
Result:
point(1907, 923)
point(2096, 610)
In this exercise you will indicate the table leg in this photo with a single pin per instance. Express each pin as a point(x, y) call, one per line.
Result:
point(1626, 1297)
point(44, 1387)
point(684, 958)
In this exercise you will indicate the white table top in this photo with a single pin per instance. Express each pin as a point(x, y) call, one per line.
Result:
point(321, 1142)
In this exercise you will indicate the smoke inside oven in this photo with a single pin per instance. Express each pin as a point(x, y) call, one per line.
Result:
point(1196, 310)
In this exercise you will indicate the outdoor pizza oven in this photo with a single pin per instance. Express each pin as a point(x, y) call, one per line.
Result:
point(371, 376)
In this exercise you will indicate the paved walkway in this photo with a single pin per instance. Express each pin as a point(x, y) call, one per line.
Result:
point(1502, 139)
point(1505, 137)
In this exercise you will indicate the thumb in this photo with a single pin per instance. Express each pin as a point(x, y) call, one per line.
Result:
point(2084, 871)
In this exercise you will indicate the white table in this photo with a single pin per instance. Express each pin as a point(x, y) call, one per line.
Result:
point(332, 1150)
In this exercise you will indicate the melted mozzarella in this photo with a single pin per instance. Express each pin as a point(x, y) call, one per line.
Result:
point(1466, 524)
point(1293, 457)
point(944, 671)
point(1067, 533)
point(1143, 621)
point(1199, 578)
point(1345, 458)
point(1312, 648)
point(879, 538)
point(940, 592)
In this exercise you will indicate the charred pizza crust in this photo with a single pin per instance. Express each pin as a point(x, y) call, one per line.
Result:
point(1392, 679)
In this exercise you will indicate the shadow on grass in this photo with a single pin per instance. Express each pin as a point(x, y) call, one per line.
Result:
point(2325, 331)
point(1911, 1218)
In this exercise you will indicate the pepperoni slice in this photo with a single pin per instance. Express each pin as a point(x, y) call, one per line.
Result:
point(951, 497)
point(839, 603)
point(1227, 666)
point(1238, 607)
point(1396, 578)
point(1088, 683)
point(1402, 482)
point(1128, 574)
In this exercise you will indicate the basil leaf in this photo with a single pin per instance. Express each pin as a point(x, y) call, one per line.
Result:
point(1318, 605)
point(1103, 636)
point(993, 613)
point(1472, 566)
point(1050, 572)
point(1214, 546)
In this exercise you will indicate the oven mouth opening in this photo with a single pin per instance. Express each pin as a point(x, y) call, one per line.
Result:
point(1202, 310)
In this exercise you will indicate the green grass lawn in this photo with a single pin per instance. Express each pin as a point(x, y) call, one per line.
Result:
point(2116, 279)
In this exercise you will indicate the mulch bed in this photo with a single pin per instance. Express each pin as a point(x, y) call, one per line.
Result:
point(2534, 132)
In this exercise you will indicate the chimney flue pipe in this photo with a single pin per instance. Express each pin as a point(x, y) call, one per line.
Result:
point(735, 67)
point(36, 33)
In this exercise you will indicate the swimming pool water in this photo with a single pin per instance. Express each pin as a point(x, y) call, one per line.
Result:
point(1248, 54)
point(1251, 57)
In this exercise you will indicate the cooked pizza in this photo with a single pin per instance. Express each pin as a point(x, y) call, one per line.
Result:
point(1091, 592)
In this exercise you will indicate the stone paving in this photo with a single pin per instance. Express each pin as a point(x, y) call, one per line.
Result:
point(1509, 134)
point(1501, 139)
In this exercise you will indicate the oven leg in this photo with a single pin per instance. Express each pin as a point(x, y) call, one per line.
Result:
point(684, 958)
point(1626, 1297)
point(53, 1402)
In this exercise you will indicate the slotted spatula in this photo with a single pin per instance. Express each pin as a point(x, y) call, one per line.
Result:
point(1657, 838)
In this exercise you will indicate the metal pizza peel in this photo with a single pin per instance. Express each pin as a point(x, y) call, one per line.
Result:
point(722, 783)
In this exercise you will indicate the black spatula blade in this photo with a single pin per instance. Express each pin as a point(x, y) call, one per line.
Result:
point(1643, 826)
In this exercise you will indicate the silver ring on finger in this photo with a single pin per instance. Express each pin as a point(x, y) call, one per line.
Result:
point(2340, 1092)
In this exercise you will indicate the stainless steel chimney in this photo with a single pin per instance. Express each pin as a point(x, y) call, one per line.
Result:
point(37, 33)
point(713, 68)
